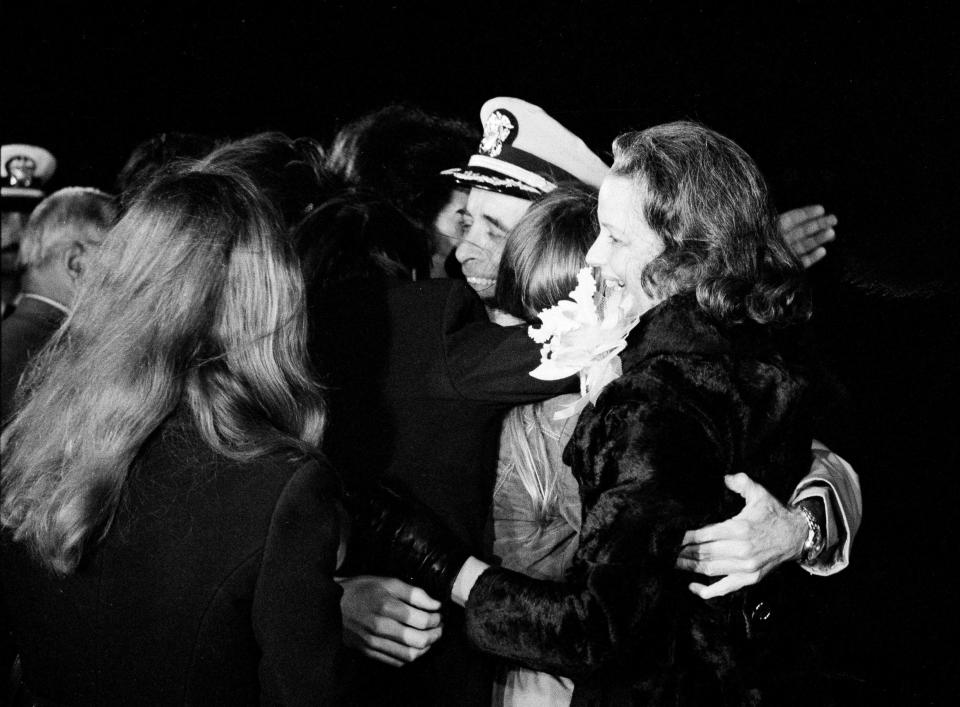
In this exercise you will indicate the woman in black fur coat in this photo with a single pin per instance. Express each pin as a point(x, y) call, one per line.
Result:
point(710, 388)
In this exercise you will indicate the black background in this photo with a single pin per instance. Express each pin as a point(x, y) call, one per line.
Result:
point(850, 106)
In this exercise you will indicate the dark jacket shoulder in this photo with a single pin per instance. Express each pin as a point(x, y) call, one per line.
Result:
point(214, 585)
point(22, 335)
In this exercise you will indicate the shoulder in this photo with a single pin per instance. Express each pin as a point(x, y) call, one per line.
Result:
point(180, 465)
point(29, 325)
point(280, 479)
point(444, 293)
point(304, 513)
point(677, 328)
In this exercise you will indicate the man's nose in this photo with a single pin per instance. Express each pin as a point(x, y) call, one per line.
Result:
point(468, 248)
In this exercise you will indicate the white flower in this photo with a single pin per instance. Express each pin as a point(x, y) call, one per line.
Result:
point(583, 336)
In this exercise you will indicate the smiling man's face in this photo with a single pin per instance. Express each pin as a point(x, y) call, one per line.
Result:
point(490, 216)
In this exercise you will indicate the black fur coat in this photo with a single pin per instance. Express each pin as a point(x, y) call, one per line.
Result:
point(697, 400)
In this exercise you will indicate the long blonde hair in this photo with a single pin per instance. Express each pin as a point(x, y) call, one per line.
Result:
point(196, 300)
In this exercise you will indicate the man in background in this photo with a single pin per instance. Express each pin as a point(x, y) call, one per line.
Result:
point(54, 249)
point(24, 170)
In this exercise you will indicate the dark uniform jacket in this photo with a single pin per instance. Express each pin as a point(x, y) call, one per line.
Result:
point(419, 380)
point(214, 586)
point(22, 334)
point(697, 400)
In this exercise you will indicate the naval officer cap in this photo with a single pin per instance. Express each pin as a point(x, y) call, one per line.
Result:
point(526, 153)
point(24, 170)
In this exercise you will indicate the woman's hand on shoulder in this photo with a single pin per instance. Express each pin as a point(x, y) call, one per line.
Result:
point(746, 547)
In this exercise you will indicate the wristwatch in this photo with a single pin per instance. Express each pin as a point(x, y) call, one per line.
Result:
point(813, 545)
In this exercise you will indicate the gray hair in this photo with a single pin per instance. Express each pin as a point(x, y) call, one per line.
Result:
point(71, 215)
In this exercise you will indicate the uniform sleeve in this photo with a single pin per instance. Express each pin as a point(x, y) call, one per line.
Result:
point(296, 606)
point(835, 482)
point(491, 363)
point(649, 490)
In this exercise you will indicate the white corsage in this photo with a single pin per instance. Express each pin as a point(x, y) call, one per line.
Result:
point(584, 335)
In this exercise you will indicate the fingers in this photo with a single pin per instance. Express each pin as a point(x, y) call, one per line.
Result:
point(388, 629)
point(409, 615)
point(751, 491)
point(741, 484)
point(369, 600)
point(386, 650)
point(806, 233)
point(806, 230)
point(719, 566)
point(410, 605)
point(724, 586)
point(381, 657)
point(788, 219)
point(718, 550)
point(732, 529)
point(813, 257)
point(356, 641)
point(411, 595)
point(389, 641)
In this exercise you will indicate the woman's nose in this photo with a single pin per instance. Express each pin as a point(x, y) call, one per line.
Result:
point(597, 255)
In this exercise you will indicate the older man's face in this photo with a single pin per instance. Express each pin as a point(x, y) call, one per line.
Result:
point(489, 218)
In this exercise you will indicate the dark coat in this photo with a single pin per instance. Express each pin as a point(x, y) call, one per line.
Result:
point(214, 586)
point(419, 382)
point(22, 334)
point(697, 400)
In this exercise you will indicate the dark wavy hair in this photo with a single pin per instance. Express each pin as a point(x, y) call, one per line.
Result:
point(290, 172)
point(154, 155)
point(545, 251)
point(398, 153)
point(355, 236)
point(706, 198)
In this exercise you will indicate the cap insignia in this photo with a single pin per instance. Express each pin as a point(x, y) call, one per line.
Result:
point(496, 131)
point(21, 169)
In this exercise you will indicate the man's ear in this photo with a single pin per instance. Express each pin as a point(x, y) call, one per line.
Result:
point(73, 259)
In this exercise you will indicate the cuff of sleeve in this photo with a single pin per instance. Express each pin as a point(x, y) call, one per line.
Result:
point(828, 469)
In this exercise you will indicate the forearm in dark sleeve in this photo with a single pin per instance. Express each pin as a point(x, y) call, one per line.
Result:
point(631, 536)
point(570, 629)
point(487, 362)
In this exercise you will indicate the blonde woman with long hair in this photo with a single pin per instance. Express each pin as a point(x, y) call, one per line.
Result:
point(169, 532)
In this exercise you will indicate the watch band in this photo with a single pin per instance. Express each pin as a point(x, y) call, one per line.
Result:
point(813, 545)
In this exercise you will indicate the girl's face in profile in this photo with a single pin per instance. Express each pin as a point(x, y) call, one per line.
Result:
point(626, 244)
point(448, 230)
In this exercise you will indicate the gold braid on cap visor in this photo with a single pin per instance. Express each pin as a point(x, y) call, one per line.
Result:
point(500, 182)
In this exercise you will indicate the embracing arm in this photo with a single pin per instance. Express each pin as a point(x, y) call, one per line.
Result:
point(766, 533)
point(491, 363)
point(629, 539)
point(620, 585)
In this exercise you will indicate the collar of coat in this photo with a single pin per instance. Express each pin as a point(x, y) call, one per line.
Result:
point(680, 326)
